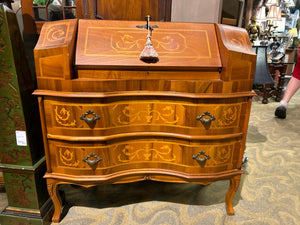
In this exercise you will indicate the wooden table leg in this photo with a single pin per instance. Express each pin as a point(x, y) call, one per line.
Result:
point(280, 83)
point(53, 192)
point(234, 185)
point(266, 93)
point(281, 68)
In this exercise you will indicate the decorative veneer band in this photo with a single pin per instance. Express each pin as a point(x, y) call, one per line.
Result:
point(67, 94)
point(187, 86)
point(142, 151)
point(143, 134)
point(139, 174)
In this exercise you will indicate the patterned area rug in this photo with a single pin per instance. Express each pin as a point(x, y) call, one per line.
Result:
point(269, 191)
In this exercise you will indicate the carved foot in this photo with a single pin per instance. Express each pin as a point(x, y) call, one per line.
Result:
point(53, 192)
point(234, 184)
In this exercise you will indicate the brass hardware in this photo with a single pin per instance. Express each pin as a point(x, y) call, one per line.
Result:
point(90, 120)
point(147, 26)
point(93, 162)
point(201, 159)
point(205, 120)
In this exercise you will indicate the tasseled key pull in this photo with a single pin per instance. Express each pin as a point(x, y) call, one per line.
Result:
point(148, 55)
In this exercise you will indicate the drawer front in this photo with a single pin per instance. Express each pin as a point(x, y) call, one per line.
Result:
point(98, 159)
point(90, 117)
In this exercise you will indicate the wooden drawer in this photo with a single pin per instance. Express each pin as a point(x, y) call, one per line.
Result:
point(170, 154)
point(69, 117)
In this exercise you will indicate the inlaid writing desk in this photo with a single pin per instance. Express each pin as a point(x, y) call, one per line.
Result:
point(108, 117)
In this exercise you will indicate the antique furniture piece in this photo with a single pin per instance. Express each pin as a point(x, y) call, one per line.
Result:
point(108, 117)
point(22, 158)
point(278, 71)
point(36, 12)
point(263, 80)
point(269, 78)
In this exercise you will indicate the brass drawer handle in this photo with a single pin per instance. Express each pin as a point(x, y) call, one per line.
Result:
point(205, 120)
point(92, 163)
point(90, 119)
point(201, 159)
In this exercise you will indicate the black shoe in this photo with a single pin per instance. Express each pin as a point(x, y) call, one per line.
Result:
point(280, 112)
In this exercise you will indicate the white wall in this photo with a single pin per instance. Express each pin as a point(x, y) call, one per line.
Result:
point(206, 11)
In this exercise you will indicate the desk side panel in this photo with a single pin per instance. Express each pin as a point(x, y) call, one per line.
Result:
point(238, 58)
point(55, 50)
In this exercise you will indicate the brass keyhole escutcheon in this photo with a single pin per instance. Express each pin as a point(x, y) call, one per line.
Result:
point(199, 157)
point(92, 162)
point(89, 119)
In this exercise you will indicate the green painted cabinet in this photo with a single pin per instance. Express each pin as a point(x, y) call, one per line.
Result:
point(22, 159)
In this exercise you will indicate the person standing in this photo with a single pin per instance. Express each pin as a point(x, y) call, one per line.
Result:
point(291, 89)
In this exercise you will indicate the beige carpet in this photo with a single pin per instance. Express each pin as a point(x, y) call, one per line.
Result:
point(269, 192)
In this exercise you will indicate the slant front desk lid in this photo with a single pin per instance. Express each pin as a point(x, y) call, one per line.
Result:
point(118, 44)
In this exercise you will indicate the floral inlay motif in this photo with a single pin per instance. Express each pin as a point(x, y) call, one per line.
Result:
point(55, 34)
point(148, 115)
point(223, 154)
point(229, 116)
point(129, 42)
point(130, 153)
point(62, 117)
point(67, 157)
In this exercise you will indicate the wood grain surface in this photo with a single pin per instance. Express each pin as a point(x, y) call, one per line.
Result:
point(108, 117)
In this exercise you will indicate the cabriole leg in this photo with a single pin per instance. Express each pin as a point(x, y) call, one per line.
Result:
point(53, 192)
point(234, 185)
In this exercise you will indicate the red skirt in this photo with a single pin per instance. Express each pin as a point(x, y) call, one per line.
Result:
point(296, 72)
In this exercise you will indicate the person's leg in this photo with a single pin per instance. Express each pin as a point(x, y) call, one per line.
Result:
point(292, 87)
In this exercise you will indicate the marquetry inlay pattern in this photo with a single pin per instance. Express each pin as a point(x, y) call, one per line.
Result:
point(223, 154)
point(131, 153)
point(67, 157)
point(68, 115)
point(63, 117)
point(129, 41)
point(230, 116)
point(146, 114)
point(56, 34)
point(109, 117)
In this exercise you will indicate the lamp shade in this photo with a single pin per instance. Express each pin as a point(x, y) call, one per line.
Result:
point(262, 74)
point(278, 13)
point(290, 3)
point(271, 2)
point(273, 12)
point(261, 14)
